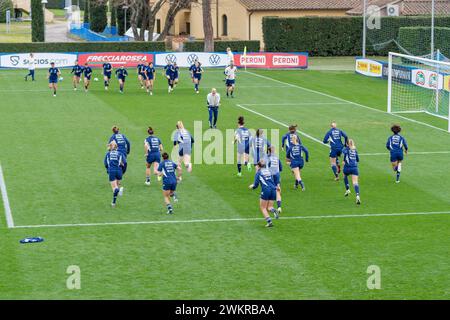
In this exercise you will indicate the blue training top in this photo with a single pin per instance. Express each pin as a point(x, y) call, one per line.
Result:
point(168, 167)
point(334, 138)
point(396, 143)
point(264, 177)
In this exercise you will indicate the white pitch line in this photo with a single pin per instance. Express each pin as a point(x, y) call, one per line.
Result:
point(294, 104)
point(8, 214)
point(409, 153)
point(280, 123)
point(348, 101)
point(368, 215)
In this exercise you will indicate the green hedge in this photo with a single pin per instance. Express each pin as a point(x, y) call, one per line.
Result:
point(37, 21)
point(83, 47)
point(416, 40)
point(222, 45)
point(5, 5)
point(335, 36)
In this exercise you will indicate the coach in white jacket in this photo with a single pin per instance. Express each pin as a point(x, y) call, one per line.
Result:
point(213, 101)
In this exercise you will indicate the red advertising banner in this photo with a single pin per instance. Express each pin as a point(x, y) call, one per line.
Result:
point(117, 59)
point(272, 60)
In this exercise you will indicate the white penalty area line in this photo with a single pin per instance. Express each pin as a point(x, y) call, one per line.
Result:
point(409, 153)
point(319, 217)
point(347, 101)
point(8, 214)
point(295, 104)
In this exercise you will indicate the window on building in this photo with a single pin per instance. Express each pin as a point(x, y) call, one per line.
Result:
point(224, 25)
point(158, 25)
point(188, 27)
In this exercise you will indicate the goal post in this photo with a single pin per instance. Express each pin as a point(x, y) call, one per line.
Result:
point(417, 84)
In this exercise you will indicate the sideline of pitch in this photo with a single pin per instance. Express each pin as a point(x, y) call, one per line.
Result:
point(8, 214)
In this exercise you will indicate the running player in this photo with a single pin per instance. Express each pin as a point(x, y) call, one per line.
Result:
point(169, 74)
point(113, 163)
point(31, 68)
point(77, 71)
point(230, 79)
point(152, 148)
point(334, 138)
point(121, 74)
point(184, 140)
point(167, 169)
point(396, 144)
point(107, 73)
point(263, 176)
point(191, 70)
point(140, 69)
point(295, 156)
point(123, 146)
point(275, 167)
point(351, 160)
point(87, 72)
point(176, 74)
point(286, 140)
point(53, 76)
point(242, 138)
point(259, 146)
point(197, 73)
point(150, 74)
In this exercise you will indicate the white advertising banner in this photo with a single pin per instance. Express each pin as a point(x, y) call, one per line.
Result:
point(41, 60)
point(427, 79)
point(186, 59)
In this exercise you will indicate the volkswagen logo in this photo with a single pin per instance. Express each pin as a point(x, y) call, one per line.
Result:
point(171, 58)
point(214, 59)
point(14, 60)
point(192, 58)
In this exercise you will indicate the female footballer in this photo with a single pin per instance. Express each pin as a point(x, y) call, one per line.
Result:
point(334, 138)
point(150, 74)
point(295, 156)
point(263, 176)
point(53, 76)
point(197, 71)
point(77, 71)
point(396, 144)
point(87, 72)
point(113, 163)
point(152, 148)
point(351, 160)
point(275, 167)
point(259, 146)
point(242, 138)
point(184, 140)
point(167, 170)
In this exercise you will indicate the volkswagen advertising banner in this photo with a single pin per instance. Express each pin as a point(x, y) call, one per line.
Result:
point(186, 59)
point(117, 59)
point(272, 60)
point(41, 60)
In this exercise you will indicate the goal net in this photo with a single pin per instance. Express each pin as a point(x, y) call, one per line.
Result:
point(417, 84)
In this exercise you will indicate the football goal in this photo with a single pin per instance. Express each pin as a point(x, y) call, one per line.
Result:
point(417, 84)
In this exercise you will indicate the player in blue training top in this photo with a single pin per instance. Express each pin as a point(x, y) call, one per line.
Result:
point(113, 163)
point(121, 75)
point(53, 76)
point(334, 138)
point(184, 140)
point(87, 72)
point(295, 156)
point(167, 170)
point(242, 138)
point(286, 140)
point(351, 160)
point(259, 146)
point(275, 167)
point(396, 144)
point(123, 146)
point(150, 74)
point(140, 69)
point(152, 148)
point(77, 71)
point(264, 178)
point(191, 70)
point(107, 73)
point(176, 74)
point(197, 71)
point(169, 74)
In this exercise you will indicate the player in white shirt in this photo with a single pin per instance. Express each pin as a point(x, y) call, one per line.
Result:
point(230, 79)
point(31, 67)
point(230, 56)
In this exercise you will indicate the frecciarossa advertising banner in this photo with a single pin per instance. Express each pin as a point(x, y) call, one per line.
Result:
point(272, 60)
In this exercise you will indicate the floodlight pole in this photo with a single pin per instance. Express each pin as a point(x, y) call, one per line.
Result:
point(125, 8)
point(44, 2)
point(432, 28)
point(364, 28)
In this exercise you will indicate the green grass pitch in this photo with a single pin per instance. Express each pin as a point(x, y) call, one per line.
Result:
point(51, 152)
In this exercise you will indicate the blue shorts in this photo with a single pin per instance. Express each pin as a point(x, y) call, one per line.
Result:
point(182, 153)
point(142, 75)
point(334, 153)
point(175, 76)
point(230, 82)
point(244, 148)
point(277, 179)
point(107, 74)
point(297, 164)
point(198, 77)
point(169, 186)
point(269, 194)
point(351, 171)
point(87, 77)
point(77, 75)
point(122, 78)
point(115, 175)
point(52, 80)
point(153, 157)
point(396, 156)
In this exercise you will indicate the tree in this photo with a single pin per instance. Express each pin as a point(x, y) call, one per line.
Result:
point(86, 11)
point(207, 26)
point(175, 7)
point(99, 19)
point(121, 28)
point(37, 21)
point(5, 5)
point(113, 9)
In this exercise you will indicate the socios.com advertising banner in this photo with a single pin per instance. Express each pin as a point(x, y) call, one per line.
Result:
point(116, 59)
point(186, 59)
point(41, 60)
point(272, 60)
